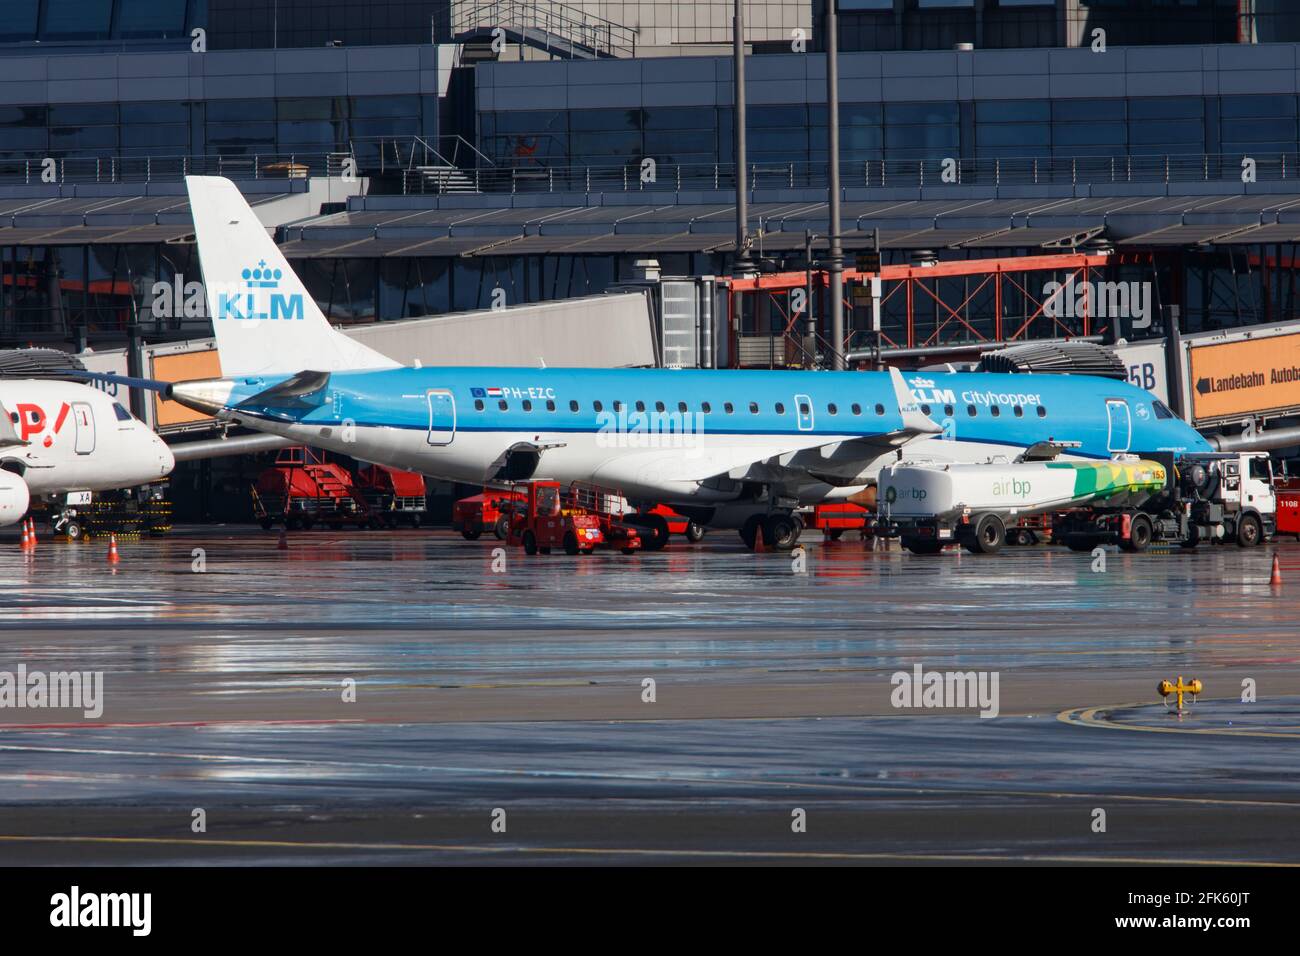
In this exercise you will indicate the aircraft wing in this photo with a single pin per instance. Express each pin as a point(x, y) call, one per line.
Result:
point(788, 458)
point(8, 434)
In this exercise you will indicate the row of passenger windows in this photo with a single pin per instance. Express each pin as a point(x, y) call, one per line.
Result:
point(728, 408)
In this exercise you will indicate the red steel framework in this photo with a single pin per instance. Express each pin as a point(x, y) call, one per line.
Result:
point(917, 283)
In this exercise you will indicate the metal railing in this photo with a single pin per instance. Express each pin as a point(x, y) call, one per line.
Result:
point(545, 20)
point(398, 156)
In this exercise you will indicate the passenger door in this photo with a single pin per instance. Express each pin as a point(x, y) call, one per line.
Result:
point(442, 416)
point(83, 417)
point(1119, 425)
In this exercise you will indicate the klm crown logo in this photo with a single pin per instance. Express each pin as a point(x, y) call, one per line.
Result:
point(258, 300)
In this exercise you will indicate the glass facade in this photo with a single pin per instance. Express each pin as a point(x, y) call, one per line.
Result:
point(212, 128)
point(260, 24)
point(1139, 126)
point(79, 21)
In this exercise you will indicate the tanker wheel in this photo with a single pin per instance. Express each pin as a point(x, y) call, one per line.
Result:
point(1139, 535)
point(780, 532)
point(570, 543)
point(1193, 538)
point(1249, 531)
point(502, 528)
point(749, 530)
point(923, 545)
point(988, 535)
point(629, 551)
point(471, 535)
point(694, 533)
point(530, 543)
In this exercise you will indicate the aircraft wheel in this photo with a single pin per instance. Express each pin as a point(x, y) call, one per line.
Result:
point(653, 529)
point(780, 532)
point(74, 531)
point(530, 543)
point(694, 533)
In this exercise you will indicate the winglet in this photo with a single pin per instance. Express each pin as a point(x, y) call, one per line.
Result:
point(908, 409)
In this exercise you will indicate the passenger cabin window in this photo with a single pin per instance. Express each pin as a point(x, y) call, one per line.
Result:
point(995, 411)
point(1019, 412)
point(925, 409)
point(478, 404)
point(550, 405)
point(659, 406)
point(947, 410)
point(833, 409)
point(753, 408)
point(681, 406)
point(618, 406)
point(597, 405)
point(573, 405)
point(503, 405)
point(728, 407)
point(1042, 412)
point(528, 406)
point(970, 410)
point(856, 409)
point(880, 409)
point(780, 408)
point(640, 406)
point(705, 407)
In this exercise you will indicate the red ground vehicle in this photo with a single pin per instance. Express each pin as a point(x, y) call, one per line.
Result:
point(489, 511)
point(572, 519)
point(393, 496)
point(1288, 505)
point(833, 518)
point(679, 524)
point(304, 488)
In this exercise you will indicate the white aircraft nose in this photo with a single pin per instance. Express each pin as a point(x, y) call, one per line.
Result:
point(166, 460)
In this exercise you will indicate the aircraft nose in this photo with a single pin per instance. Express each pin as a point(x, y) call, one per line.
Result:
point(166, 460)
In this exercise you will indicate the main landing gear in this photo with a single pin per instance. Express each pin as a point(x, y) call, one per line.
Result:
point(781, 531)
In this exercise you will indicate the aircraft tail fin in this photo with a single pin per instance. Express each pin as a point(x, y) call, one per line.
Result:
point(266, 322)
point(913, 420)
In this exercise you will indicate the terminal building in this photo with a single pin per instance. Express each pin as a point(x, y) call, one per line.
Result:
point(424, 157)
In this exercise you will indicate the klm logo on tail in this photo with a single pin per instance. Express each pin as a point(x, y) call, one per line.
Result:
point(258, 300)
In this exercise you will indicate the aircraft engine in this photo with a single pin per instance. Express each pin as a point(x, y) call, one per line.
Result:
point(14, 498)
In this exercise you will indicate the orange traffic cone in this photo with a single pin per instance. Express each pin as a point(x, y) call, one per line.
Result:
point(25, 542)
point(283, 544)
point(759, 545)
point(31, 534)
point(1276, 579)
point(112, 549)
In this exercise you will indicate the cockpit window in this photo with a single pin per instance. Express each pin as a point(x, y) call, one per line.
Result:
point(122, 414)
point(1162, 410)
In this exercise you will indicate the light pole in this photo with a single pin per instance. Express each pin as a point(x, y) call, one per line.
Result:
point(743, 265)
point(835, 257)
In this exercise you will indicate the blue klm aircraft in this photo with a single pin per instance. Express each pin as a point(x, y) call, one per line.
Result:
point(727, 448)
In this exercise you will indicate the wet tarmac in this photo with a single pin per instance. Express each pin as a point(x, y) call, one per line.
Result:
point(403, 697)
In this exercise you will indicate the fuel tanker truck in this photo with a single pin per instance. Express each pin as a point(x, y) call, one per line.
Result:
point(1131, 501)
point(931, 505)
